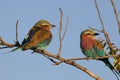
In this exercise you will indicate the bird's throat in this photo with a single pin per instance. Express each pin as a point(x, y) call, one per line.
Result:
point(87, 42)
point(45, 28)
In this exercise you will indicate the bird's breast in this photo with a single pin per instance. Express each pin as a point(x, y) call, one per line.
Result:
point(87, 43)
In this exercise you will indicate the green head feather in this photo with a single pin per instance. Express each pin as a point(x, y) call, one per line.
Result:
point(89, 32)
point(44, 23)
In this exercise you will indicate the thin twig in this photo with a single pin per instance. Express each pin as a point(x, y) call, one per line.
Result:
point(103, 29)
point(3, 43)
point(17, 42)
point(66, 27)
point(116, 14)
point(100, 18)
point(17, 31)
point(86, 58)
point(60, 32)
point(95, 29)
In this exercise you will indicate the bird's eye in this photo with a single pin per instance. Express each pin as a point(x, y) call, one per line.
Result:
point(88, 34)
point(45, 25)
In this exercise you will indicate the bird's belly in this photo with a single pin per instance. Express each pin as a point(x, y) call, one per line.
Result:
point(42, 45)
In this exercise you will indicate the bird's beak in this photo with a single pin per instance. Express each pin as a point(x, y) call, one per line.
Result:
point(95, 34)
point(52, 26)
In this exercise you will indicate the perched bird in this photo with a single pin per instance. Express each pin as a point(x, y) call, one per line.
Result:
point(93, 48)
point(38, 37)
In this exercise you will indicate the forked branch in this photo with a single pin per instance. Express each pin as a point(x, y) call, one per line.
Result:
point(60, 31)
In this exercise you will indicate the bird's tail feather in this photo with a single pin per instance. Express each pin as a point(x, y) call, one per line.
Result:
point(114, 71)
point(15, 49)
point(12, 50)
point(106, 61)
point(4, 47)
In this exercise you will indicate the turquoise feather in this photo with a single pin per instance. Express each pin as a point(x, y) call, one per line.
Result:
point(42, 45)
point(90, 53)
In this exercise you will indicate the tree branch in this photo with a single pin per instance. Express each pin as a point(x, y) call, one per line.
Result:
point(70, 62)
point(7, 45)
point(17, 31)
point(100, 18)
point(66, 27)
point(86, 58)
point(60, 31)
point(17, 42)
point(103, 31)
point(116, 14)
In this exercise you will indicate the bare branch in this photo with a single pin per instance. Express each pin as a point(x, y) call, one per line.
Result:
point(86, 58)
point(95, 29)
point(3, 43)
point(116, 14)
point(103, 30)
point(72, 63)
point(100, 18)
point(66, 27)
point(17, 42)
point(60, 31)
point(17, 31)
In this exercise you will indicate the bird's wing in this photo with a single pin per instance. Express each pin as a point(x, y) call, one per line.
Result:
point(96, 50)
point(98, 47)
point(91, 53)
point(29, 35)
point(39, 38)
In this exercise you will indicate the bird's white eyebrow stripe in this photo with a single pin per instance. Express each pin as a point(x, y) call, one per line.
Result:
point(45, 24)
point(88, 32)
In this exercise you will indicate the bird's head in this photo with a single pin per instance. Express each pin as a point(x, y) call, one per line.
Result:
point(44, 24)
point(89, 33)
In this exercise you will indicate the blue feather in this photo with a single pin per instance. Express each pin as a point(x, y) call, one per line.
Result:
point(28, 37)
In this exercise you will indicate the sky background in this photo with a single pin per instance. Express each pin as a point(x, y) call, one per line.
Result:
point(22, 65)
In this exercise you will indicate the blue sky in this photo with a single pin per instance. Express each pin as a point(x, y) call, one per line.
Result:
point(82, 13)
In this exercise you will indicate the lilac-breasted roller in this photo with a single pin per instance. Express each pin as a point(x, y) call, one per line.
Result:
point(93, 48)
point(38, 37)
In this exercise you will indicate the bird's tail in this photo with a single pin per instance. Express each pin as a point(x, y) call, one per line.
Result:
point(12, 50)
point(106, 61)
point(16, 49)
